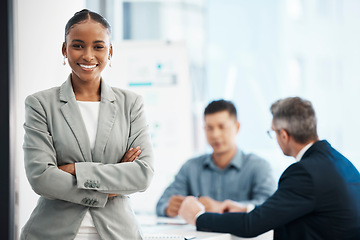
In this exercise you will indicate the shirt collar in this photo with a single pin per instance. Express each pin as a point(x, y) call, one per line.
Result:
point(236, 162)
point(302, 151)
point(67, 92)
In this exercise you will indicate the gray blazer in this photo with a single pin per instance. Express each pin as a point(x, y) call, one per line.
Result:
point(55, 135)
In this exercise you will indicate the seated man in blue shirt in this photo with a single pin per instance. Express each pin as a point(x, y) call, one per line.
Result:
point(227, 173)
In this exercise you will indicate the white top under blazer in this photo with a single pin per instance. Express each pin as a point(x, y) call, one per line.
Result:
point(90, 115)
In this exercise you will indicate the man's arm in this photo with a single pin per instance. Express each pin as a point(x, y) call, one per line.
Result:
point(211, 205)
point(294, 198)
point(177, 188)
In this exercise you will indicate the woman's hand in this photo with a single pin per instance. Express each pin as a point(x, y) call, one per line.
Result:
point(131, 155)
point(69, 168)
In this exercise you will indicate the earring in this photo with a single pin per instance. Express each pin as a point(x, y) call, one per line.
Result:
point(64, 63)
point(109, 61)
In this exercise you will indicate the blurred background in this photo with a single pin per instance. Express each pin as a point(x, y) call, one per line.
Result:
point(180, 55)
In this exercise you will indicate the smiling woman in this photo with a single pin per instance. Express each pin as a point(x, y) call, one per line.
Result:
point(85, 136)
point(88, 49)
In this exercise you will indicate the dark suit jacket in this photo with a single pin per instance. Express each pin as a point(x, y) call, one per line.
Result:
point(317, 198)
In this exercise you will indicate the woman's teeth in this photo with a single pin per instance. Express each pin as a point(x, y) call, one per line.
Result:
point(87, 66)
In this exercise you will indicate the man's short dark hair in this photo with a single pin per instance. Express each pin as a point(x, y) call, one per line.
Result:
point(219, 106)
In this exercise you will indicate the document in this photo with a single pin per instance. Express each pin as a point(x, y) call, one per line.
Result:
point(167, 236)
point(167, 220)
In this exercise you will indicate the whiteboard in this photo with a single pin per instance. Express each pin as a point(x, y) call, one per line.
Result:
point(159, 71)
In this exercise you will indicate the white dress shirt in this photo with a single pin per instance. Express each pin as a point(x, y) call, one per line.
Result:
point(90, 115)
point(302, 151)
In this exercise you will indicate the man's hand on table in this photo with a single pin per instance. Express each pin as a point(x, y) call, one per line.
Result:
point(190, 209)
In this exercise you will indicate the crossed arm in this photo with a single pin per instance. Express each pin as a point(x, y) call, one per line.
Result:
point(53, 182)
point(131, 155)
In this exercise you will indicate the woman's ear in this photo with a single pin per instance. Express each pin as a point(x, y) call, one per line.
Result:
point(110, 51)
point(63, 49)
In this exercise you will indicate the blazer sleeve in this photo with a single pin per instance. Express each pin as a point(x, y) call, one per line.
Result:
point(44, 176)
point(294, 198)
point(129, 177)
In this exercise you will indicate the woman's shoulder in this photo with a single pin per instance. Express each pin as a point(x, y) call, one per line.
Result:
point(126, 95)
point(124, 92)
point(45, 95)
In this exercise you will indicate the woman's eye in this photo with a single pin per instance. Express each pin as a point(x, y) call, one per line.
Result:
point(77, 46)
point(99, 47)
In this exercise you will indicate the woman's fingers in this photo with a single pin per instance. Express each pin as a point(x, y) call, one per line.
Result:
point(132, 154)
point(69, 168)
point(111, 195)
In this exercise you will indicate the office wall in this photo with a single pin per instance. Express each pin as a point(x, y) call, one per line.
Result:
point(260, 51)
point(39, 33)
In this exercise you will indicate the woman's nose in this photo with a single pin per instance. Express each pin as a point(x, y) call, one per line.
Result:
point(88, 55)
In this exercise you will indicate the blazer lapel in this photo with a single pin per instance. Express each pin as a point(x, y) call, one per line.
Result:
point(106, 121)
point(72, 115)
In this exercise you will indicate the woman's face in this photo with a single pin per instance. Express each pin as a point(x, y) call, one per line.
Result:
point(88, 49)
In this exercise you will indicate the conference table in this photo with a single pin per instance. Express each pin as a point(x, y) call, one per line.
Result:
point(157, 228)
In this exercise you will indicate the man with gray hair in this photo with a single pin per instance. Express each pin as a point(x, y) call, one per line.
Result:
point(318, 197)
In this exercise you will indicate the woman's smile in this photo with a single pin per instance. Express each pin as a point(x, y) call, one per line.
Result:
point(88, 67)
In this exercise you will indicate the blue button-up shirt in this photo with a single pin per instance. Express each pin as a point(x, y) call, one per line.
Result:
point(247, 179)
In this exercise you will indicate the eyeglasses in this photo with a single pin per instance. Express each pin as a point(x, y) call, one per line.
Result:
point(272, 133)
